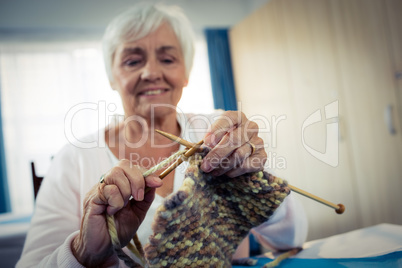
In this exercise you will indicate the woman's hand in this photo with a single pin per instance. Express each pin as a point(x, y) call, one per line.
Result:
point(93, 247)
point(236, 147)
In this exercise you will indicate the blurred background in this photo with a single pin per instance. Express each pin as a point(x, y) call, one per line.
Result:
point(323, 79)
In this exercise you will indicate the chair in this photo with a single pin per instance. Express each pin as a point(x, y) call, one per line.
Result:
point(37, 181)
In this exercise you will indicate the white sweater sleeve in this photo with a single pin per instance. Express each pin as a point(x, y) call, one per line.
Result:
point(56, 220)
point(287, 228)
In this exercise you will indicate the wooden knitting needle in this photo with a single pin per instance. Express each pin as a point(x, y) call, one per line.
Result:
point(338, 208)
point(179, 160)
point(176, 139)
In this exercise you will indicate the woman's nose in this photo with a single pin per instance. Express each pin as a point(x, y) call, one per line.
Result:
point(151, 71)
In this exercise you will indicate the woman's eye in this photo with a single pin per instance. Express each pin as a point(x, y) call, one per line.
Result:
point(167, 60)
point(132, 62)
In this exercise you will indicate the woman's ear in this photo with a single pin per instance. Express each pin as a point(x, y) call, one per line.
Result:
point(185, 82)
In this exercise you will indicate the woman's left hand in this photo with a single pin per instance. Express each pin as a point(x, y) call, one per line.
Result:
point(235, 146)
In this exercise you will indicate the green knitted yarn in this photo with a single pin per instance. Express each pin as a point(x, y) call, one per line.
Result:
point(202, 224)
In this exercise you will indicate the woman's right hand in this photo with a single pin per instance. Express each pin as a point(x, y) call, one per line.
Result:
point(93, 247)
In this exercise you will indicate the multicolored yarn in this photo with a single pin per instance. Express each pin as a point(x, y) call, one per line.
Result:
point(202, 224)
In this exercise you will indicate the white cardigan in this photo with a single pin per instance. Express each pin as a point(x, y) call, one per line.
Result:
point(74, 171)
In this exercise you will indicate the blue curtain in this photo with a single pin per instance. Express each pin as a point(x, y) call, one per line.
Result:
point(220, 64)
point(5, 205)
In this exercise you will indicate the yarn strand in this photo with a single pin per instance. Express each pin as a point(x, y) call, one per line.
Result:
point(138, 245)
point(163, 163)
point(116, 244)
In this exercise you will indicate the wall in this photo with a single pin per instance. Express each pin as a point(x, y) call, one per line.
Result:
point(320, 75)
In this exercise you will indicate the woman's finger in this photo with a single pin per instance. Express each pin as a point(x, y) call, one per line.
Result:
point(239, 142)
point(114, 199)
point(135, 177)
point(254, 163)
point(130, 180)
point(227, 121)
point(227, 135)
point(116, 176)
point(233, 161)
point(237, 159)
point(153, 181)
point(229, 143)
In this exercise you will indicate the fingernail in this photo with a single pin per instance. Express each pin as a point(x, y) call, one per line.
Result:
point(157, 180)
point(206, 166)
point(140, 195)
point(209, 140)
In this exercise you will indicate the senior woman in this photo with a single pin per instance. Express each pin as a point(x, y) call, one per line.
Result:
point(148, 55)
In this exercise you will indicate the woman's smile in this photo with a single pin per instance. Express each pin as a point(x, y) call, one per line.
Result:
point(153, 92)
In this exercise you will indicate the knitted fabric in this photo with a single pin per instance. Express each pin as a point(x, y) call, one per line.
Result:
point(202, 224)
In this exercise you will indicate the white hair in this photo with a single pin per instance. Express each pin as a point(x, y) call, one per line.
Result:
point(142, 20)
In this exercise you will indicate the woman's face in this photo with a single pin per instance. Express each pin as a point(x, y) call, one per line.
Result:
point(149, 74)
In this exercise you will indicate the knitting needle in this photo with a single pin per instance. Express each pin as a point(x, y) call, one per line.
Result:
point(338, 208)
point(175, 138)
point(179, 160)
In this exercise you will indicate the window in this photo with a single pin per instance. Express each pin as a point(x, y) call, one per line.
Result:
point(42, 82)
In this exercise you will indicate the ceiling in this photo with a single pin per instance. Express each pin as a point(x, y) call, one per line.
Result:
point(27, 17)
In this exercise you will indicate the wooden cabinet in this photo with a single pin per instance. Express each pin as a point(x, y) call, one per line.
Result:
point(327, 69)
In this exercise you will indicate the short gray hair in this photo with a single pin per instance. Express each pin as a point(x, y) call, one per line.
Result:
point(142, 20)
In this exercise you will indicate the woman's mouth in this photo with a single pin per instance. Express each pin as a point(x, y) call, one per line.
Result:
point(153, 92)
